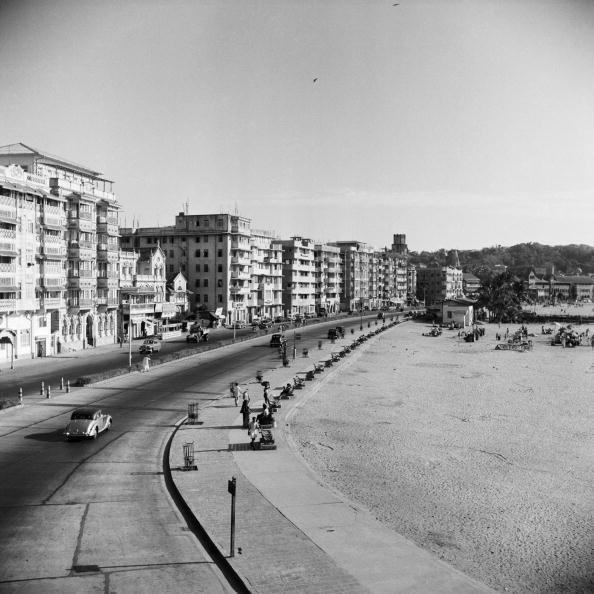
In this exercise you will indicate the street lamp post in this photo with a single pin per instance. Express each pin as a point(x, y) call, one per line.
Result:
point(361, 312)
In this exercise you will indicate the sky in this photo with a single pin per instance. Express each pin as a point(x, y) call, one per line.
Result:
point(460, 123)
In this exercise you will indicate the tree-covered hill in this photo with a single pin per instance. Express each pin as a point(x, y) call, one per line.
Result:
point(519, 259)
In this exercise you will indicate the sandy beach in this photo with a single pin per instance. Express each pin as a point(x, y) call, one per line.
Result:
point(483, 457)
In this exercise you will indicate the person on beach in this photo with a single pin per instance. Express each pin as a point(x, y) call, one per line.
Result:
point(253, 432)
point(245, 411)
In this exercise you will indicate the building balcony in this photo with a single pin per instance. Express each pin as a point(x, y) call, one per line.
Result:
point(75, 282)
point(53, 250)
point(8, 305)
point(7, 269)
point(52, 303)
point(241, 260)
point(236, 275)
point(138, 308)
point(81, 253)
point(7, 214)
point(107, 282)
point(240, 290)
point(107, 228)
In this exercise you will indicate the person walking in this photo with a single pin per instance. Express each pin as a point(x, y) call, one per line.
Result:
point(146, 363)
point(267, 394)
point(253, 432)
point(245, 411)
point(235, 392)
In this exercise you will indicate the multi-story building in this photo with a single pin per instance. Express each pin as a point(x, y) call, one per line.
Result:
point(328, 279)
point(266, 297)
point(142, 288)
point(436, 283)
point(299, 276)
point(233, 273)
point(355, 260)
point(68, 203)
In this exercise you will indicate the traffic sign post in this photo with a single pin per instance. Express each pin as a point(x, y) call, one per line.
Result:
point(231, 487)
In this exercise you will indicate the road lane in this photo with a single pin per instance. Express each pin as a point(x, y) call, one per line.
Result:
point(97, 513)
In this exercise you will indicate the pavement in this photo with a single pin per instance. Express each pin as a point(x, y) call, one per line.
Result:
point(293, 533)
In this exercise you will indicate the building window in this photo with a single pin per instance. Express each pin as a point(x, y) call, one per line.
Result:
point(220, 298)
point(220, 253)
point(220, 238)
point(197, 283)
point(205, 253)
point(197, 254)
point(206, 268)
point(205, 283)
point(220, 268)
point(205, 299)
point(197, 238)
point(220, 282)
point(171, 253)
point(197, 298)
point(197, 267)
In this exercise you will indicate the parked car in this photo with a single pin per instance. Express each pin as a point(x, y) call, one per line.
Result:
point(265, 324)
point(150, 345)
point(236, 325)
point(277, 340)
point(87, 422)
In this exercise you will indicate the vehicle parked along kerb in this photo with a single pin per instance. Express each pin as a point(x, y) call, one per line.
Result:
point(150, 345)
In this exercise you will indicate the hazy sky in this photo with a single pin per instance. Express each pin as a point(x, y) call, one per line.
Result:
point(461, 123)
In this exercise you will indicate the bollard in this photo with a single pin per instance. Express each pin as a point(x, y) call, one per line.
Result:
point(42, 390)
point(61, 383)
point(67, 386)
point(319, 345)
point(49, 391)
point(20, 395)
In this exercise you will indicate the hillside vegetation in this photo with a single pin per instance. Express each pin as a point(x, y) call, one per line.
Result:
point(519, 259)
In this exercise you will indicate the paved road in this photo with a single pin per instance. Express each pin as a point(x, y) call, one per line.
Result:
point(96, 515)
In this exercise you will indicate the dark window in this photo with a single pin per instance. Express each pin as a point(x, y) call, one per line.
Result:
point(205, 253)
point(220, 282)
point(197, 254)
point(197, 267)
point(197, 283)
point(206, 268)
point(220, 298)
point(205, 299)
point(220, 268)
point(197, 238)
point(205, 283)
point(220, 253)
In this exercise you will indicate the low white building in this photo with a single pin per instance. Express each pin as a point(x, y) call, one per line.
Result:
point(459, 311)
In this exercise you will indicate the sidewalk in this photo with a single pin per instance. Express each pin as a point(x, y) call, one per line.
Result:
point(293, 534)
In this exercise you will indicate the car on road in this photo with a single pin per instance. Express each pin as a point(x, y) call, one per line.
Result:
point(277, 340)
point(149, 346)
point(87, 423)
point(264, 324)
point(332, 333)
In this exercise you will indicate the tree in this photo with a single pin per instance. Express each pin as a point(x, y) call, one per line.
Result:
point(502, 295)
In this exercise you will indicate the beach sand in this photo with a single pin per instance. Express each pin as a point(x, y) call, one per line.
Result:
point(483, 457)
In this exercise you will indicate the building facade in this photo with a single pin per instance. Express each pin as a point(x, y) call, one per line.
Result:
point(328, 279)
point(299, 277)
point(64, 218)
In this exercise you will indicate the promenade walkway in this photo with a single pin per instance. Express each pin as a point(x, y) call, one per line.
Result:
point(293, 534)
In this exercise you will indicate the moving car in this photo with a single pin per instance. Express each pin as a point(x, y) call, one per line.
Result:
point(150, 345)
point(277, 340)
point(87, 422)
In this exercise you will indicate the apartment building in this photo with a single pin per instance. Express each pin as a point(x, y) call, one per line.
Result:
point(436, 283)
point(266, 297)
point(299, 276)
point(233, 273)
point(328, 279)
point(143, 291)
point(355, 260)
point(59, 210)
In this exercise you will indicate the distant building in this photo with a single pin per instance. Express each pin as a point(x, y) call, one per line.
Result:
point(458, 311)
point(299, 276)
point(328, 278)
point(436, 283)
point(471, 284)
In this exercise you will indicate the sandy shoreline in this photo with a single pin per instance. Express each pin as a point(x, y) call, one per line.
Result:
point(482, 457)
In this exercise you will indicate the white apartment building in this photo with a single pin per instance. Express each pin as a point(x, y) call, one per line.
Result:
point(356, 260)
point(61, 234)
point(328, 279)
point(266, 298)
point(299, 276)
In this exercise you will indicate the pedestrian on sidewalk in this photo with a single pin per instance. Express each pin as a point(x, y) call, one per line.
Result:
point(267, 394)
point(253, 432)
point(235, 392)
point(146, 363)
point(245, 411)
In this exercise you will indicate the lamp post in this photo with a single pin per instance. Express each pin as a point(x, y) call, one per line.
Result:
point(361, 312)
